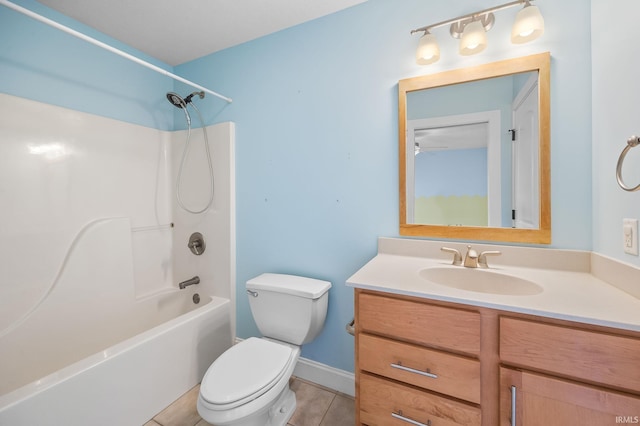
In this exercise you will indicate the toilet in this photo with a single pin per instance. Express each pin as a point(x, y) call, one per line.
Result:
point(248, 385)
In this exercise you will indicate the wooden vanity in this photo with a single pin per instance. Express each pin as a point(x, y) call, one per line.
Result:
point(426, 362)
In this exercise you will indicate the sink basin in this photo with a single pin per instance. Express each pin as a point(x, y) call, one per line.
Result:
point(480, 280)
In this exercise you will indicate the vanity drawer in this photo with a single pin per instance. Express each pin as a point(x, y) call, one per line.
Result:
point(441, 372)
point(382, 402)
point(588, 355)
point(418, 322)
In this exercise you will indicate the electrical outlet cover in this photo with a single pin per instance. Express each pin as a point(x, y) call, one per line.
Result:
point(630, 236)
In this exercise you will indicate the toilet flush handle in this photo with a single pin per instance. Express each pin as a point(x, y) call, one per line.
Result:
point(253, 293)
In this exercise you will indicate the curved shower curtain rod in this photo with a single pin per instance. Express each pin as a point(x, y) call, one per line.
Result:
point(105, 46)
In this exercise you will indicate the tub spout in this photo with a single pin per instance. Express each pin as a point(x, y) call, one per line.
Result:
point(187, 283)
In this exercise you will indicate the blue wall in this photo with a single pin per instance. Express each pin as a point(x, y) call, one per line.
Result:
point(316, 114)
point(616, 116)
point(44, 64)
point(457, 172)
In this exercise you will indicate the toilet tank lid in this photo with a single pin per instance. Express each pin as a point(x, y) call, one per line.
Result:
point(310, 288)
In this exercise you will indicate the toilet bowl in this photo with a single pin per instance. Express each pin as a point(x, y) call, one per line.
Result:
point(248, 385)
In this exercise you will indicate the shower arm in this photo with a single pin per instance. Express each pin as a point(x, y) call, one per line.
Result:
point(105, 46)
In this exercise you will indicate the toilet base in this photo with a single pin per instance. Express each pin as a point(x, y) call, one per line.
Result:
point(278, 414)
point(283, 409)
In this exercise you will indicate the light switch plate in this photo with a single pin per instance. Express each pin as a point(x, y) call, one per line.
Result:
point(630, 236)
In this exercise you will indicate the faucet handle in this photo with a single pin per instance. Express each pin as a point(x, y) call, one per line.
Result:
point(457, 257)
point(482, 259)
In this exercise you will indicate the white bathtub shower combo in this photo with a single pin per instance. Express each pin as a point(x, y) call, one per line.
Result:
point(94, 328)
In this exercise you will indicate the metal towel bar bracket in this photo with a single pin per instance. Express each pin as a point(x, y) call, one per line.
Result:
point(631, 142)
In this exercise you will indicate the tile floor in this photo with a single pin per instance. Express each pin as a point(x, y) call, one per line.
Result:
point(316, 406)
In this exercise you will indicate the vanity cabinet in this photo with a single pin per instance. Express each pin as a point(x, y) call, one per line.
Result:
point(424, 362)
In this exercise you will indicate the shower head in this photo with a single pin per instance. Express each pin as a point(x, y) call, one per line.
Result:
point(179, 102)
point(176, 100)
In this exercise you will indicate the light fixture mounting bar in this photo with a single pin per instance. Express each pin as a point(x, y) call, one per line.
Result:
point(470, 16)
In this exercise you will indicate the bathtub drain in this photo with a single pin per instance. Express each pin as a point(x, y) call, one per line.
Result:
point(196, 298)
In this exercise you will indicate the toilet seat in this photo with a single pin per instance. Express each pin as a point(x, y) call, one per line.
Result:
point(245, 372)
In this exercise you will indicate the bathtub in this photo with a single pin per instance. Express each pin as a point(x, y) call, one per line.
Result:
point(131, 381)
point(92, 352)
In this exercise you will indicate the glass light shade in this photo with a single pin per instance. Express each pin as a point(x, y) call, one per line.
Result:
point(529, 25)
point(474, 39)
point(428, 50)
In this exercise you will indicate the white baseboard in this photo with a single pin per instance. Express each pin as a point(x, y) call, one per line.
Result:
point(324, 375)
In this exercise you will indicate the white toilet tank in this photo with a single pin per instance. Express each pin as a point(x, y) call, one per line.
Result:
point(288, 308)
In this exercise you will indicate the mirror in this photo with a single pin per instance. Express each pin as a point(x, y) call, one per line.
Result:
point(474, 152)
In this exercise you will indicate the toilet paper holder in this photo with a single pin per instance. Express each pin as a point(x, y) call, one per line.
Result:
point(351, 328)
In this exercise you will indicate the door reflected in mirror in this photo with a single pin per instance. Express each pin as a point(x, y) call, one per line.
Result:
point(474, 152)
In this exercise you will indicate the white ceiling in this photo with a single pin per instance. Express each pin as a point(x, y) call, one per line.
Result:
point(178, 31)
point(461, 136)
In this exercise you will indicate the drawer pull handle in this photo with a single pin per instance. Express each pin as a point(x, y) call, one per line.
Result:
point(513, 405)
point(399, 416)
point(413, 370)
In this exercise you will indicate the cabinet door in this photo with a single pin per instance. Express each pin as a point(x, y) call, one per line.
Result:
point(541, 400)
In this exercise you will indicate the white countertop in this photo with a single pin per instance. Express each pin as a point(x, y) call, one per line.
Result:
point(570, 290)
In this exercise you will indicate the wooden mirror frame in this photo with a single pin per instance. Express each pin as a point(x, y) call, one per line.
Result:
point(541, 64)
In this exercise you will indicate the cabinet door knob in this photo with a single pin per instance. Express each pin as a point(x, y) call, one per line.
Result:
point(413, 370)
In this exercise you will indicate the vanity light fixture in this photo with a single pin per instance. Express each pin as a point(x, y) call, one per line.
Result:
point(528, 26)
point(428, 50)
point(472, 29)
point(474, 38)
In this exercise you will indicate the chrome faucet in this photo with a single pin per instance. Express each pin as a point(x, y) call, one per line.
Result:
point(187, 283)
point(472, 259)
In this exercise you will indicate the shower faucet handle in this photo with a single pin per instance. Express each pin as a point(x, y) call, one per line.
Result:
point(196, 243)
point(195, 247)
